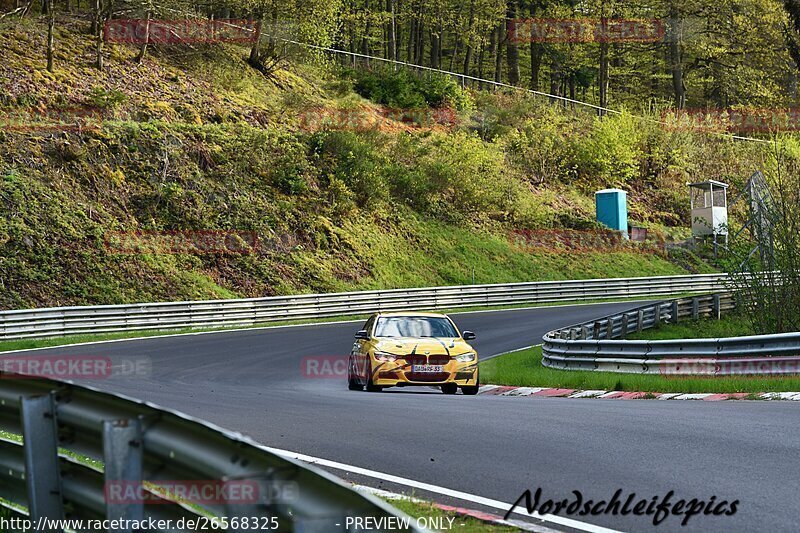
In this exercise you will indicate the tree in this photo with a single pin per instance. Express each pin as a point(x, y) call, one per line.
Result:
point(51, 22)
point(512, 52)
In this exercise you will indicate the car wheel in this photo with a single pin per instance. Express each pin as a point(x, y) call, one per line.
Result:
point(352, 379)
point(370, 386)
point(449, 388)
point(472, 390)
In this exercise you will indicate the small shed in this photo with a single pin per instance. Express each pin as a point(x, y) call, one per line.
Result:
point(612, 209)
point(709, 201)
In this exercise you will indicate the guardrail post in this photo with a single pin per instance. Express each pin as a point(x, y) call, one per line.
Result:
point(717, 307)
point(42, 471)
point(610, 328)
point(695, 308)
point(596, 330)
point(657, 316)
point(640, 320)
point(584, 332)
point(624, 325)
point(674, 311)
point(573, 334)
point(123, 454)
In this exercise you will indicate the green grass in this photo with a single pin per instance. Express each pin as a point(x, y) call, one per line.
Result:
point(461, 524)
point(524, 369)
point(728, 326)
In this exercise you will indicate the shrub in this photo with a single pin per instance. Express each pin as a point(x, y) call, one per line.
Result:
point(543, 150)
point(353, 160)
point(403, 89)
point(612, 151)
point(454, 176)
point(103, 99)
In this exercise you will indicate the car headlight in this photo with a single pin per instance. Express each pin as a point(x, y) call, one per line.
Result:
point(466, 357)
point(384, 356)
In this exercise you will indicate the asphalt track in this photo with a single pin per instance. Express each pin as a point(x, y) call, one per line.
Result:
point(495, 447)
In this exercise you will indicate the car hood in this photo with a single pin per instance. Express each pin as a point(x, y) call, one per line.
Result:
point(425, 346)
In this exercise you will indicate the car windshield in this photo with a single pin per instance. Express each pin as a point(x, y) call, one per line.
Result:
point(414, 326)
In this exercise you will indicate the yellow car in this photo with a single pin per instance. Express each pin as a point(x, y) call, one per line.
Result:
point(413, 349)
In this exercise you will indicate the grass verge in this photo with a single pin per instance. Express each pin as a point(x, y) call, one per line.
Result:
point(462, 524)
point(524, 369)
point(728, 326)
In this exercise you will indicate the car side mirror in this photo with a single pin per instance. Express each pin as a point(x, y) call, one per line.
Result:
point(362, 334)
point(468, 336)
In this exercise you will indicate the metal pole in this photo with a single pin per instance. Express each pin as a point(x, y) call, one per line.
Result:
point(42, 471)
point(123, 454)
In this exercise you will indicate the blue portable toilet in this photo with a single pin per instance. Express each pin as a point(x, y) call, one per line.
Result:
point(612, 209)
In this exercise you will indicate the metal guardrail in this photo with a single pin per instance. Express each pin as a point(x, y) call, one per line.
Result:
point(129, 443)
point(58, 321)
point(595, 345)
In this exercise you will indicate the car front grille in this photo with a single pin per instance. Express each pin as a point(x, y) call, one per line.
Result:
point(420, 359)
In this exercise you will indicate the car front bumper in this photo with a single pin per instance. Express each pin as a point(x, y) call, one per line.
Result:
point(399, 374)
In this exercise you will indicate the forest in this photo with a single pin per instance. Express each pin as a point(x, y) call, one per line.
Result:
point(363, 173)
point(679, 53)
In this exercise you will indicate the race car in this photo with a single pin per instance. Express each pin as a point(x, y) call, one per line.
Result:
point(413, 349)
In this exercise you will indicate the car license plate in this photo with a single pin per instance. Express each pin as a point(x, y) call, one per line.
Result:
point(432, 369)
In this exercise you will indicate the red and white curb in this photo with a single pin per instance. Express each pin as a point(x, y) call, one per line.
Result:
point(499, 390)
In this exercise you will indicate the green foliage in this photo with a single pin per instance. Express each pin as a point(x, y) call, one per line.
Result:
point(612, 151)
point(455, 176)
point(770, 300)
point(544, 148)
point(402, 89)
point(351, 159)
point(101, 98)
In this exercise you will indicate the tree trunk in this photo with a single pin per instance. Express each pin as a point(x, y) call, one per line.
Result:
point(603, 80)
point(398, 36)
point(51, 23)
point(98, 34)
point(436, 42)
point(420, 37)
point(365, 44)
point(143, 49)
point(537, 51)
point(512, 48)
point(273, 42)
point(352, 45)
point(676, 59)
point(391, 32)
point(420, 55)
point(411, 49)
point(95, 27)
point(255, 52)
point(555, 78)
point(792, 8)
point(498, 54)
point(468, 53)
point(493, 46)
point(480, 66)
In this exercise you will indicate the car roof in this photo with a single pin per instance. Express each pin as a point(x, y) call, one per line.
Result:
point(410, 314)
